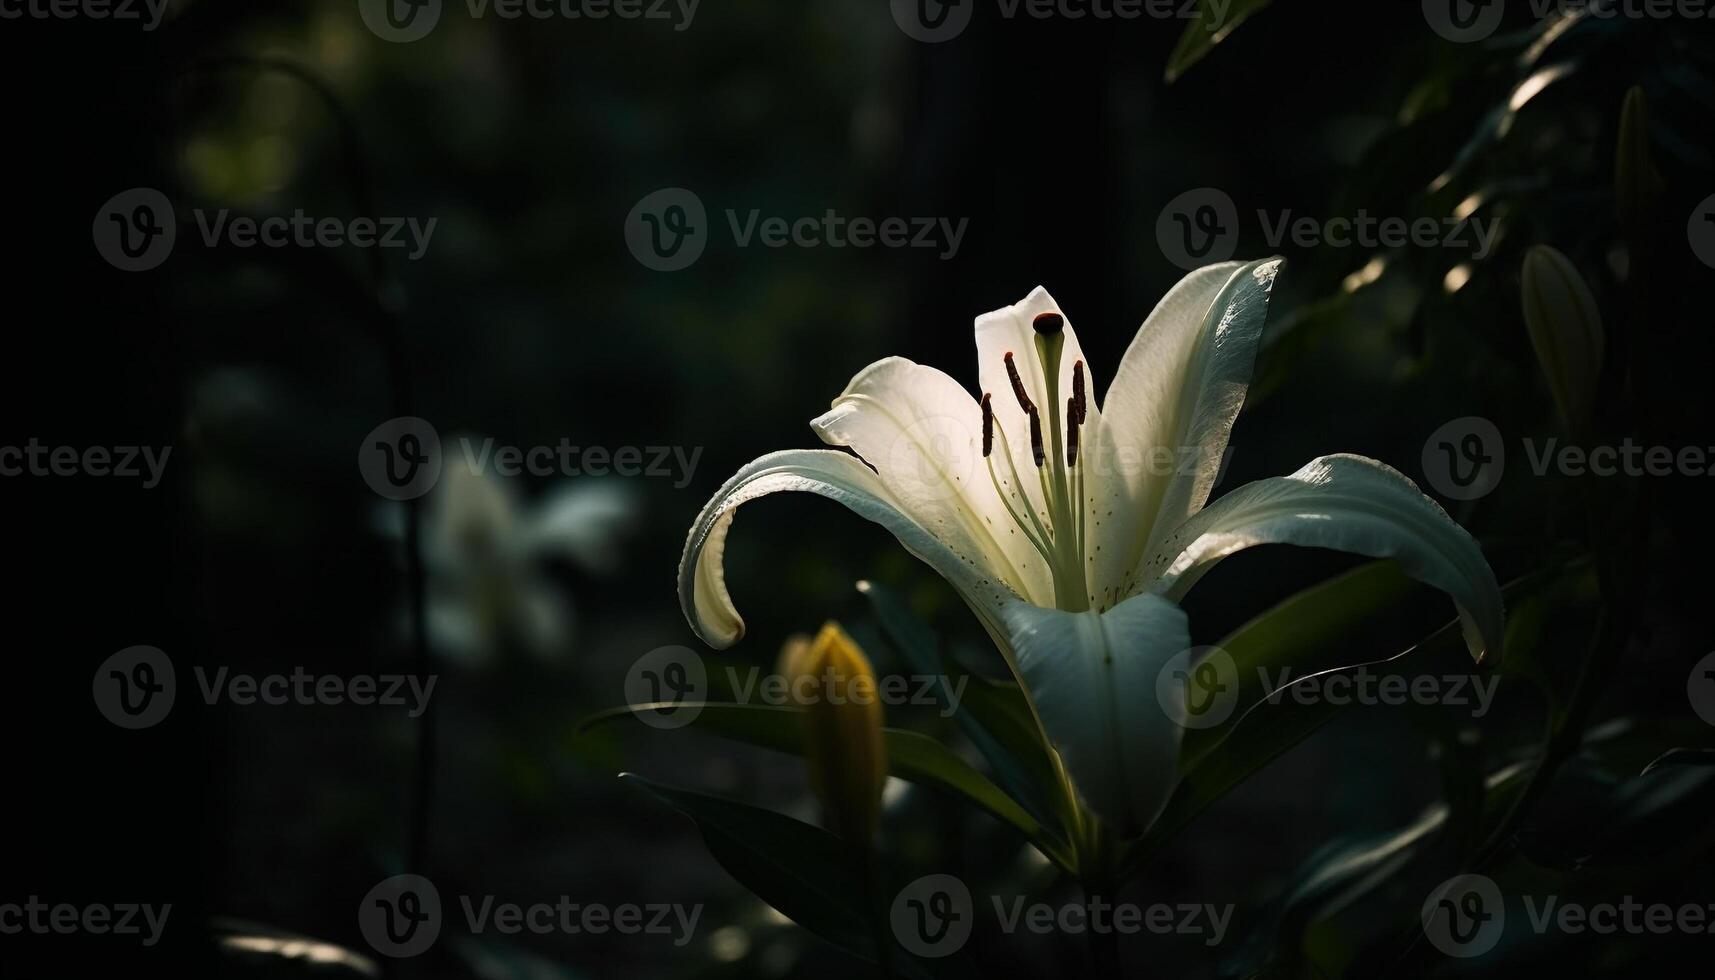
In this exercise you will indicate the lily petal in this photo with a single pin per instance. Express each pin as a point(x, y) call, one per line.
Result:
point(1093, 678)
point(1346, 503)
point(838, 476)
point(922, 433)
point(1169, 412)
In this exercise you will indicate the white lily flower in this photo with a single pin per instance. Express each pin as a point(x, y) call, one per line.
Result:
point(1053, 518)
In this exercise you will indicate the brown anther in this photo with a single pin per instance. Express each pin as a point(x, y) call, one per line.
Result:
point(1036, 450)
point(1024, 401)
point(1080, 409)
point(1072, 431)
point(988, 425)
point(1048, 323)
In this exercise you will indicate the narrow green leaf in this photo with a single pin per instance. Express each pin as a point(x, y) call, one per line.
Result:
point(910, 756)
point(1214, 21)
point(807, 874)
point(994, 716)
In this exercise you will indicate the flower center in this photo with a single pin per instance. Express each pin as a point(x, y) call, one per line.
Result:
point(1057, 533)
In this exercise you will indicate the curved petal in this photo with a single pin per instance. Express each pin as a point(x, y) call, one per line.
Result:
point(1009, 329)
point(1166, 418)
point(922, 433)
point(1346, 503)
point(838, 476)
point(1093, 677)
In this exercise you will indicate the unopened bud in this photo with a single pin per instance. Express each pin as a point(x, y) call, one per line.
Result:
point(833, 680)
point(1565, 329)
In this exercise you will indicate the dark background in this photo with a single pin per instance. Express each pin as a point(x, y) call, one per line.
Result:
point(529, 321)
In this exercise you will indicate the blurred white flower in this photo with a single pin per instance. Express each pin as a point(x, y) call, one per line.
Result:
point(486, 555)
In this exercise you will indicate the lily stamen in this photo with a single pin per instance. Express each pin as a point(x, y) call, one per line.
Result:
point(1018, 392)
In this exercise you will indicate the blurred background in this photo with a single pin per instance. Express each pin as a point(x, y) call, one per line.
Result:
point(1057, 144)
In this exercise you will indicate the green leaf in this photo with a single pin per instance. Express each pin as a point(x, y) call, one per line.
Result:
point(1343, 874)
point(910, 756)
point(1306, 633)
point(993, 715)
point(1310, 633)
point(807, 874)
point(1214, 21)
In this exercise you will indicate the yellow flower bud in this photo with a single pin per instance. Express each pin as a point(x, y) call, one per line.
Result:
point(1565, 329)
point(833, 680)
